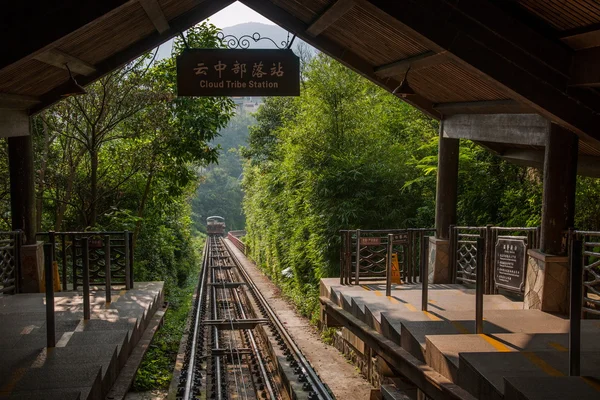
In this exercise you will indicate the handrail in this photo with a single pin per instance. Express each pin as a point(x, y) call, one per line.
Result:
point(237, 242)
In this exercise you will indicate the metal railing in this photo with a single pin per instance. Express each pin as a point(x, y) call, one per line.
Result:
point(463, 252)
point(589, 258)
point(234, 236)
point(110, 257)
point(10, 261)
point(365, 255)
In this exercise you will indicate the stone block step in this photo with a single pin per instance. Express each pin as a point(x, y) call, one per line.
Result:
point(483, 374)
point(101, 354)
point(391, 392)
point(67, 377)
point(120, 339)
point(14, 361)
point(551, 388)
point(495, 321)
point(55, 394)
point(442, 351)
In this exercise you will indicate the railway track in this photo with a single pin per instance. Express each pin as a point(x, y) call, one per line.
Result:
point(237, 347)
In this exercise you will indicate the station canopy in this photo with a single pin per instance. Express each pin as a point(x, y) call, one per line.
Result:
point(465, 57)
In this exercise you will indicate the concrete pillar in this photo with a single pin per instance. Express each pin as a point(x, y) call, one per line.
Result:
point(560, 180)
point(14, 124)
point(22, 191)
point(445, 208)
point(547, 284)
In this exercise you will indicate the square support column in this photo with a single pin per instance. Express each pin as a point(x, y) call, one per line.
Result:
point(439, 261)
point(547, 283)
point(445, 208)
point(14, 125)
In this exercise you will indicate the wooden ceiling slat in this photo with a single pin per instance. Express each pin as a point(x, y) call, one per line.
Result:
point(98, 43)
point(562, 14)
point(32, 78)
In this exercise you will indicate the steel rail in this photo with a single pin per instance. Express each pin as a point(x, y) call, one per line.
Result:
point(219, 246)
point(320, 389)
point(256, 351)
point(193, 345)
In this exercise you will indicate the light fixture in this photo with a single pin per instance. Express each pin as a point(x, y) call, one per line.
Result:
point(404, 90)
point(72, 88)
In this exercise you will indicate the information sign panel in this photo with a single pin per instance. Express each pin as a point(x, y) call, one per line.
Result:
point(235, 72)
point(510, 264)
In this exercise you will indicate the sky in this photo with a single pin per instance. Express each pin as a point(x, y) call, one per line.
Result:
point(235, 14)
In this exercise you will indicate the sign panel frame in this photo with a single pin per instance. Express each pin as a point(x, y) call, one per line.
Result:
point(238, 72)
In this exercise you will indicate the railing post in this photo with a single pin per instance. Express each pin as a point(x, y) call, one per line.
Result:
point(479, 285)
point(452, 253)
point(131, 255)
point(424, 273)
point(85, 253)
point(342, 254)
point(388, 267)
point(107, 268)
point(348, 265)
point(49, 278)
point(18, 259)
point(575, 264)
point(408, 258)
point(357, 267)
point(489, 268)
point(63, 242)
point(52, 240)
point(74, 240)
point(127, 260)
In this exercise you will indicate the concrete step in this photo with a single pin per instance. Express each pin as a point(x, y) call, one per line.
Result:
point(54, 394)
point(67, 377)
point(391, 392)
point(14, 362)
point(120, 339)
point(442, 351)
point(483, 374)
point(102, 355)
point(413, 333)
point(551, 388)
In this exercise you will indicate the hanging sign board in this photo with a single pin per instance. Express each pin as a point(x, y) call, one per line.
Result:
point(234, 72)
point(510, 264)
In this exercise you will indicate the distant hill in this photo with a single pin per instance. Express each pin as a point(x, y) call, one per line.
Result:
point(274, 32)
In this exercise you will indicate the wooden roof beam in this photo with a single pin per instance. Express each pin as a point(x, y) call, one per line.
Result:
point(506, 106)
point(51, 22)
point(155, 14)
point(582, 38)
point(200, 12)
point(502, 51)
point(420, 61)
point(17, 102)
point(60, 59)
point(586, 68)
point(332, 14)
point(345, 56)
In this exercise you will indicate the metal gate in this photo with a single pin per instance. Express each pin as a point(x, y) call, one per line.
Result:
point(10, 261)
point(591, 270)
point(371, 248)
point(463, 250)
